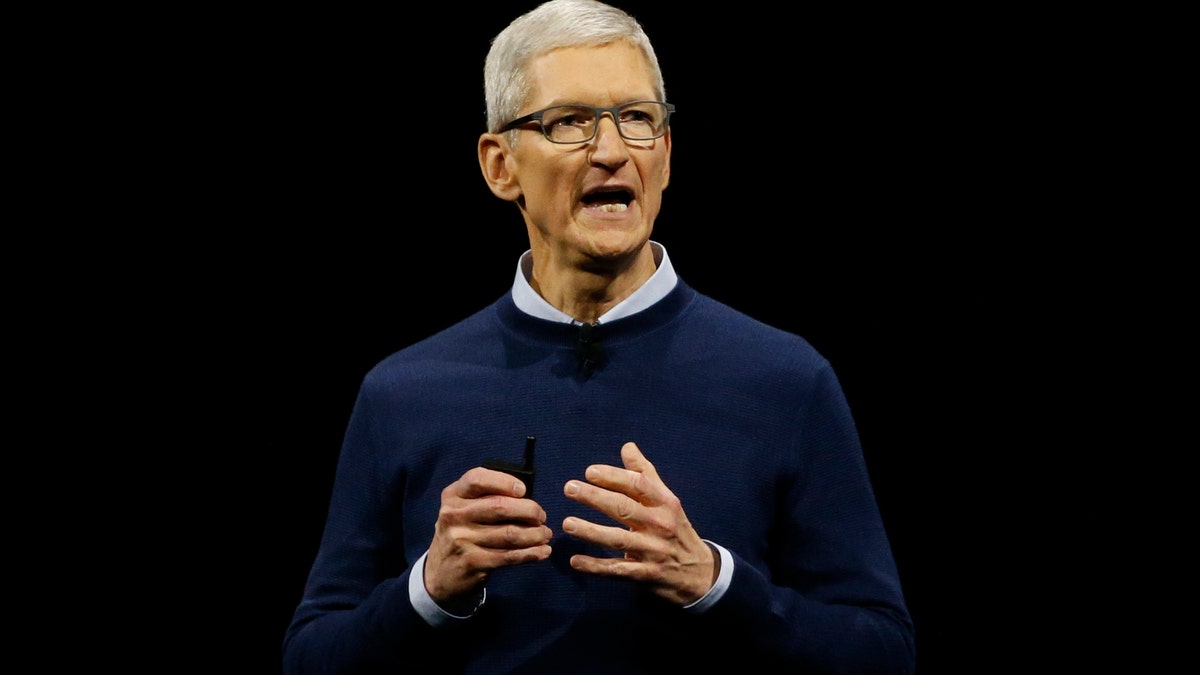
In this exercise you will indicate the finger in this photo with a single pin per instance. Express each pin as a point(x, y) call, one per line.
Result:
point(487, 508)
point(638, 479)
point(612, 567)
point(634, 460)
point(504, 510)
point(513, 537)
point(495, 509)
point(461, 551)
point(614, 538)
point(615, 504)
point(478, 482)
point(456, 565)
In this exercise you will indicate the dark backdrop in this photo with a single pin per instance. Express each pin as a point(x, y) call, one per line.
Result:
point(330, 211)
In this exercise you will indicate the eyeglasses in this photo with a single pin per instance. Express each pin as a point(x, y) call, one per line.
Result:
point(636, 121)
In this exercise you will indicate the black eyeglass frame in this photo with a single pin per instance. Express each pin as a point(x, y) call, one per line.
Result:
point(536, 116)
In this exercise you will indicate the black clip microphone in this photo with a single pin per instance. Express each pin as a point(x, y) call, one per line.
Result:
point(589, 351)
point(524, 472)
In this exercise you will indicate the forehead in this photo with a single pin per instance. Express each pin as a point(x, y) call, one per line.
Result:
point(604, 75)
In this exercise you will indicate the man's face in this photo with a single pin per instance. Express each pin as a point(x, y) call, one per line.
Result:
point(595, 201)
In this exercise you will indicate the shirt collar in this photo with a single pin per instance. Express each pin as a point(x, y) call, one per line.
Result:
point(656, 288)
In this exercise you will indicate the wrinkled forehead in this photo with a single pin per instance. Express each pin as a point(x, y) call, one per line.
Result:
point(608, 74)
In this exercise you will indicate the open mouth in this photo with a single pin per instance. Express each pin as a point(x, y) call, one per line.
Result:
point(608, 200)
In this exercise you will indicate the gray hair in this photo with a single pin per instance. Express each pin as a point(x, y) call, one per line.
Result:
point(553, 25)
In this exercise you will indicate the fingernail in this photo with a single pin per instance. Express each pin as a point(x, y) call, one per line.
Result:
point(572, 488)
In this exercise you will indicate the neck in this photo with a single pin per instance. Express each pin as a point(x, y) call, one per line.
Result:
point(587, 292)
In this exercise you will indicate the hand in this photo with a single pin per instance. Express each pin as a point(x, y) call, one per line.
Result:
point(660, 547)
point(483, 524)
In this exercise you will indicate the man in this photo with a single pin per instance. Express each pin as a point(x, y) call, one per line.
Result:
point(604, 470)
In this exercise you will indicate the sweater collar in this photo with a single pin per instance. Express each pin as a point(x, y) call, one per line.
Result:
point(665, 310)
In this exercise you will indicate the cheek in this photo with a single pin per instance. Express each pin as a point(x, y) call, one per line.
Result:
point(657, 176)
point(549, 194)
point(553, 191)
point(543, 178)
point(557, 184)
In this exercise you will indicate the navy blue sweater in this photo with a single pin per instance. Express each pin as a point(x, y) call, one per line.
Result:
point(745, 423)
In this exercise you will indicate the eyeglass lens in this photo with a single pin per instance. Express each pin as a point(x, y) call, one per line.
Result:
point(640, 121)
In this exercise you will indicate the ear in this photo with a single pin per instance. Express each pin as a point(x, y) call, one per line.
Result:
point(494, 159)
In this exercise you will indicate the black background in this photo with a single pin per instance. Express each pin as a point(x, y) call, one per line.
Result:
point(315, 181)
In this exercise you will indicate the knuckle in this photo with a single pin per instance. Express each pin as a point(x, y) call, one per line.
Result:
point(449, 514)
point(661, 522)
point(477, 559)
point(497, 505)
point(640, 484)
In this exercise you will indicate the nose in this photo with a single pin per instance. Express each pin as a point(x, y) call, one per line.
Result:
point(608, 147)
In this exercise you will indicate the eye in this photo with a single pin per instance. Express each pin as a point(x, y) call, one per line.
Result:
point(564, 121)
point(567, 116)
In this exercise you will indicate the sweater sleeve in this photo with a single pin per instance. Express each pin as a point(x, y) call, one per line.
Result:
point(831, 601)
point(355, 612)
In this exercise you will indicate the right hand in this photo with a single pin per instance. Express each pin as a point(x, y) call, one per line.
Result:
point(483, 524)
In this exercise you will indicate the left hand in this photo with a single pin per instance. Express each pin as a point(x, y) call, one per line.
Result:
point(660, 547)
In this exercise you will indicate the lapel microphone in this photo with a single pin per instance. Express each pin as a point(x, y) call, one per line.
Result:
point(588, 349)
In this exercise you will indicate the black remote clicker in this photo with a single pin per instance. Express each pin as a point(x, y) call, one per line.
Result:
point(522, 471)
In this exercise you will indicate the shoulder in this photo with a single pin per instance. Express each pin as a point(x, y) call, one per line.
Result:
point(465, 341)
point(732, 329)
